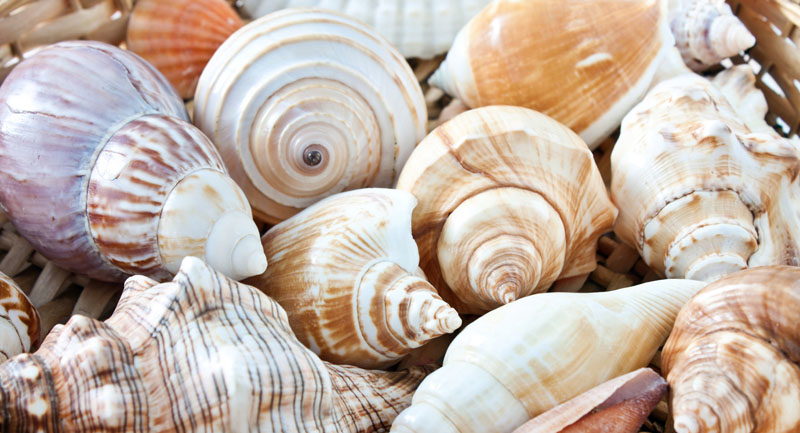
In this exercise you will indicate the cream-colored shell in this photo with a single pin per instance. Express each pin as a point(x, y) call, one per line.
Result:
point(701, 195)
point(19, 320)
point(526, 357)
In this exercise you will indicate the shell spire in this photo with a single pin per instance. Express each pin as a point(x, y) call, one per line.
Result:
point(19, 320)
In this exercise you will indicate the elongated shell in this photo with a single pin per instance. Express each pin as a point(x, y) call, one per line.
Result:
point(509, 202)
point(200, 353)
point(526, 357)
point(345, 270)
point(179, 37)
point(732, 361)
point(19, 320)
point(103, 174)
point(583, 63)
point(417, 29)
point(304, 104)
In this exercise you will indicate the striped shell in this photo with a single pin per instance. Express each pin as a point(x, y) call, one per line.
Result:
point(200, 353)
point(104, 176)
point(19, 321)
point(179, 37)
point(509, 202)
point(345, 270)
point(304, 104)
point(417, 29)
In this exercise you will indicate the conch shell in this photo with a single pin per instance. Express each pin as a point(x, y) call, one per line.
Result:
point(620, 405)
point(304, 104)
point(345, 271)
point(103, 174)
point(200, 353)
point(701, 195)
point(417, 29)
point(524, 358)
point(19, 321)
point(509, 202)
point(178, 37)
point(733, 359)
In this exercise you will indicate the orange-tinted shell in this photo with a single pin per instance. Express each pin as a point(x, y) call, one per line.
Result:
point(19, 321)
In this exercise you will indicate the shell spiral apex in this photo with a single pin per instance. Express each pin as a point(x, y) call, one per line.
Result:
point(19, 320)
point(307, 103)
point(345, 269)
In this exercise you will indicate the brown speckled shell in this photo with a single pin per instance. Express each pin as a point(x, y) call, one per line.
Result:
point(19, 320)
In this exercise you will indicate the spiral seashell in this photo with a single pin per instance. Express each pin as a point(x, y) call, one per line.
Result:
point(509, 202)
point(707, 32)
point(304, 104)
point(585, 64)
point(416, 29)
point(345, 270)
point(179, 37)
point(733, 359)
point(104, 176)
point(700, 195)
point(200, 353)
point(524, 358)
point(19, 321)
point(620, 405)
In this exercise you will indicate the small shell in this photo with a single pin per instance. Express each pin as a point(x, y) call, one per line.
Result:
point(19, 321)
point(344, 269)
point(733, 359)
point(509, 202)
point(179, 36)
point(304, 104)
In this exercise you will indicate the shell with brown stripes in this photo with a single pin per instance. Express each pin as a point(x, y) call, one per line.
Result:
point(509, 202)
point(345, 269)
point(19, 321)
point(306, 103)
point(202, 353)
point(103, 174)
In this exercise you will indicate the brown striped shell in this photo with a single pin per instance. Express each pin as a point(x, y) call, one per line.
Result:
point(103, 174)
point(19, 320)
point(199, 354)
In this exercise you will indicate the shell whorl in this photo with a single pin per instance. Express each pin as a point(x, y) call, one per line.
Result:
point(19, 320)
point(530, 187)
point(306, 103)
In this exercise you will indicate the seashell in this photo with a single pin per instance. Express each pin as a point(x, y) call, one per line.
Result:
point(707, 32)
point(524, 358)
point(416, 29)
point(700, 195)
point(732, 359)
point(515, 53)
point(738, 85)
point(509, 202)
point(200, 353)
point(304, 104)
point(19, 320)
point(179, 37)
point(620, 405)
point(345, 271)
point(105, 177)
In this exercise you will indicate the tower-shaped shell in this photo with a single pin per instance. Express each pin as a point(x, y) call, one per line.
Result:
point(509, 202)
point(103, 174)
point(19, 321)
point(701, 195)
point(346, 271)
point(199, 354)
point(304, 104)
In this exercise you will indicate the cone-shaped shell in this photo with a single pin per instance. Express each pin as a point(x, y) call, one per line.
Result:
point(526, 357)
point(701, 195)
point(345, 271)
point(620, 405)
point(416, 29)
point(19, 321)
point(733, 358)
point(304, 104)
point(509, 202)
point(179, 37)
point(200, 353)
point(583, 63)
point(104, 176)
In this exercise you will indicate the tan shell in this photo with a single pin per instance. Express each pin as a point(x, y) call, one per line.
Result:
point(200, 353)
point(19, 320)
point(701, 195)
point(345, 270)
point(509, 202)
point(733, 359)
